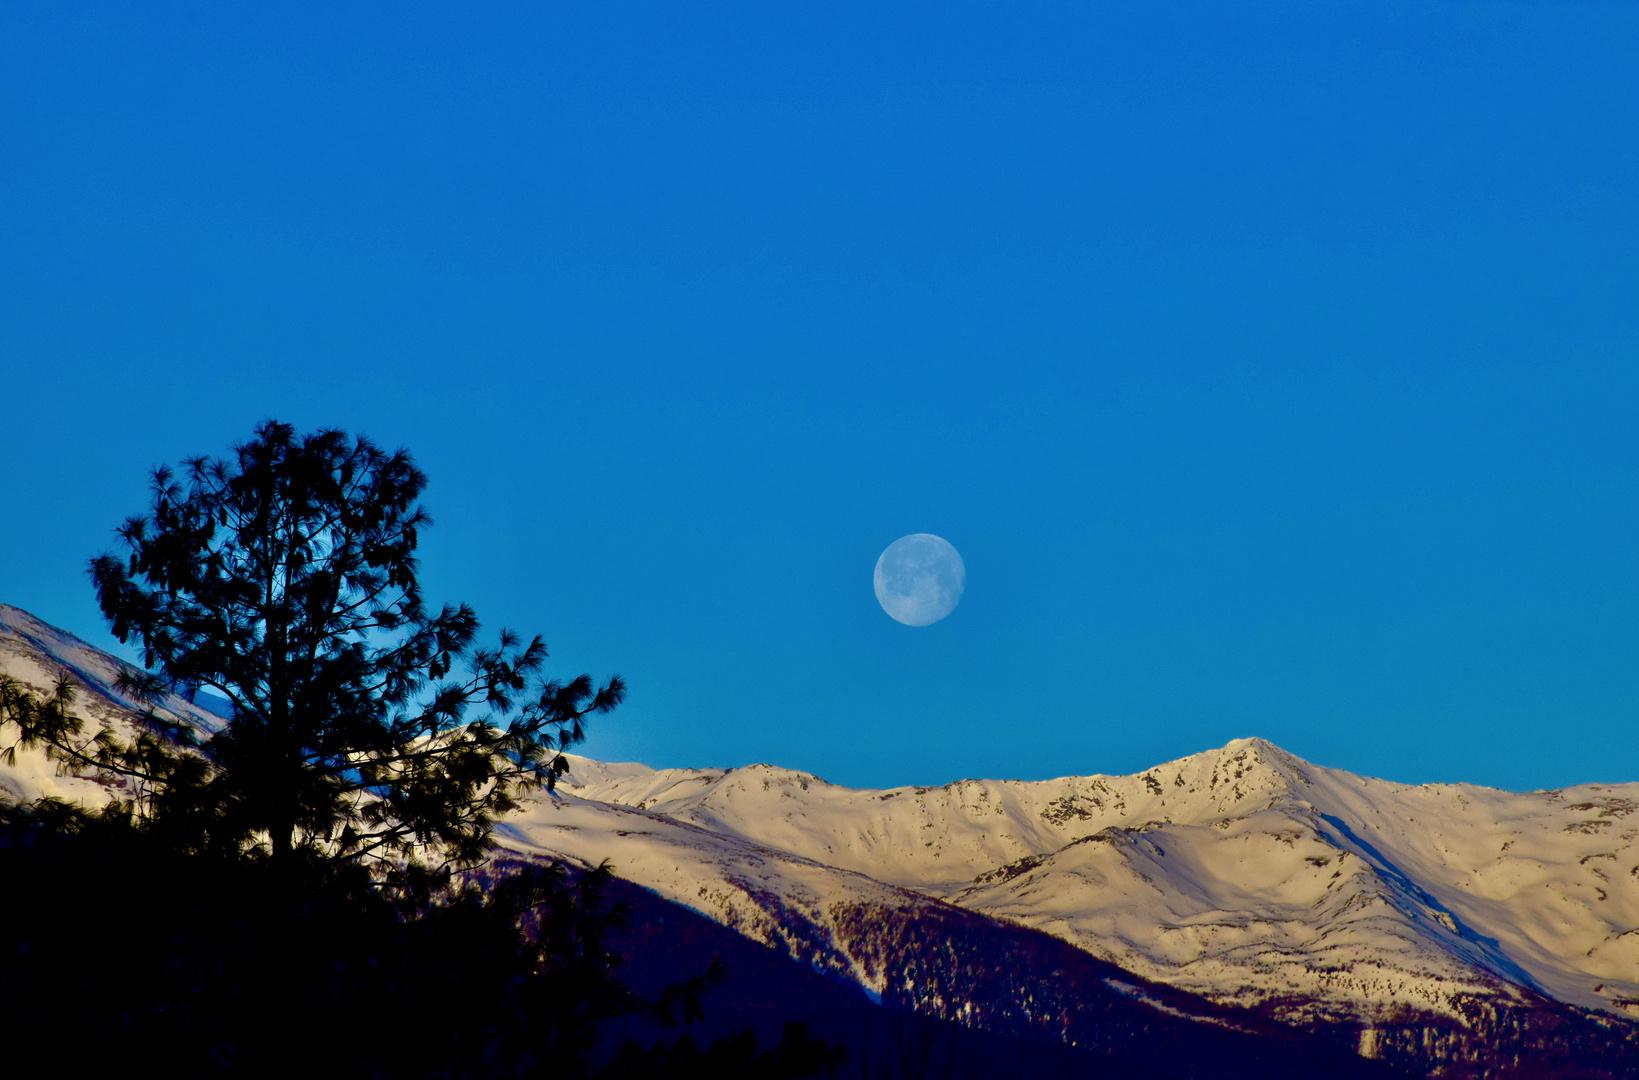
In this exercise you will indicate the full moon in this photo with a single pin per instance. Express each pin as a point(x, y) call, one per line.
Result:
point(919, 579)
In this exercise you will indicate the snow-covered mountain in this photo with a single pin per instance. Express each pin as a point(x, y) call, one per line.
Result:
point(35, 653)
point(1254, 881)
point(1242, 873)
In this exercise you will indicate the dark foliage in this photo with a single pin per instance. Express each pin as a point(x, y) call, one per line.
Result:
point(305, 892)
point(1526, 1039)
point(365, 726)
point(122, 949)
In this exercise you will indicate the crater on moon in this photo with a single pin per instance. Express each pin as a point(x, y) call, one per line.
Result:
point(919, 579)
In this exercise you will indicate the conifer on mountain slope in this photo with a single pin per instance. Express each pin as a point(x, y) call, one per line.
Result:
point(365, 726)
point(306, 860)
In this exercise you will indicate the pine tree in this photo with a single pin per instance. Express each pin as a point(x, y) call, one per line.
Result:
point(324, 854)
point(365, 729)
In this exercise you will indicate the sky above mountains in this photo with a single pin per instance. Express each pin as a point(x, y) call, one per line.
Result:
point(1272, 366)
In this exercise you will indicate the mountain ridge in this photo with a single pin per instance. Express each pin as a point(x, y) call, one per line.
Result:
point(1429, 915)
point(1239, 885)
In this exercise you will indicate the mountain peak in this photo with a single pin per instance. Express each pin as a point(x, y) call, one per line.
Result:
point(1243, 873)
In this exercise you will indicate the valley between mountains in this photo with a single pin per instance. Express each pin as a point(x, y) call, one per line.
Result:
point(1235, 887)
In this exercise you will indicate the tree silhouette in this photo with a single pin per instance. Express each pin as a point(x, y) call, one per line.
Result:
point(365, 727)
point(296, 887)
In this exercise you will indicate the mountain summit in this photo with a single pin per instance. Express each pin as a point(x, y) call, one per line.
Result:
point(1415, 922)
point(1244, 873)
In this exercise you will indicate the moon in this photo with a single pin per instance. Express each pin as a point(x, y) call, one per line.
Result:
point(919, 579)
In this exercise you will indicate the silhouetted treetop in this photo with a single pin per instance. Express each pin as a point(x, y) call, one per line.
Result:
point(365, 727)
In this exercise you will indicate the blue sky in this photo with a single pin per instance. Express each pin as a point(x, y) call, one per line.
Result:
point(1274, 367)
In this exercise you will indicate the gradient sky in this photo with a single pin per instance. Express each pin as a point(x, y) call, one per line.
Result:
point(1274, 367)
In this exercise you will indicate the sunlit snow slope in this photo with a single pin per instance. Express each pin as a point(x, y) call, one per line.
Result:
point(1243, 873)
point(35, 654)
